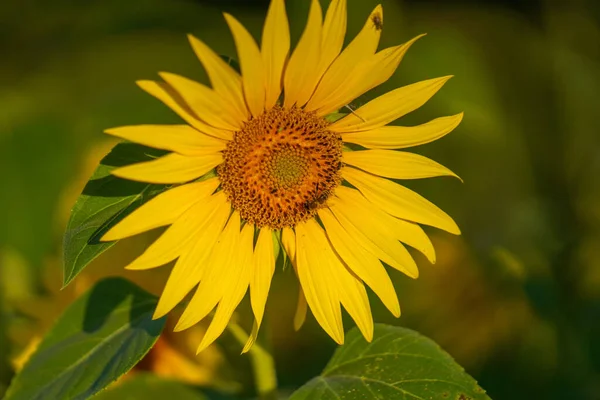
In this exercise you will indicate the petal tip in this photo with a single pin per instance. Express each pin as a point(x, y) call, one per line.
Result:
point(142, 83)
point(378, 9)
point(183, 323)
point(203, 345)
point(200, 349)
point(454, 229)
point(191, 38)
point(455, 119)
point(109, 237)
point(228, 17)
point(166, 75)
point(141, 263)
point(410, 42)
point(158, 313)
point(414, 274)
point(339, 340)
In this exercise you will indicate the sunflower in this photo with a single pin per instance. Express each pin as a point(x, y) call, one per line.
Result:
point(262, 163)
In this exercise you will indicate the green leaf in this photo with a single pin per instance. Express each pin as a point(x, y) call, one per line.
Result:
point(105, 200)
point(398, 364)
point(101, 336)
point(149, 387)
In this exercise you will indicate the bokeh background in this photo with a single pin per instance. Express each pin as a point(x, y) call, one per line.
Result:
point(515, 299)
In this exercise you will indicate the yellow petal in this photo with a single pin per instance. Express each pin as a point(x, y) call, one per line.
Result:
point(237, 284)
point(334, 31)
point(217, 267)
point(251, 64)
point(251, 338)
point(314, 274)
point(397, 137)
point(192, 264)
point(300, 80)
point(353, 297)
point(365, 265)
point(262, 272)
point(374, 234)
point(182, 139)
point(187, 233)
point(301, 308)
point(404, 231)
point(274, 49)
point(162, 210)
point(414, 236)
point(224, 79)
point(205, 103)
point(399, 201)
point(370, 73)
point(175, 102)
point(348, 289)
point(288, 240)
point(395, 164)
point(362, 47)
point(389, 107)
point(172, 168)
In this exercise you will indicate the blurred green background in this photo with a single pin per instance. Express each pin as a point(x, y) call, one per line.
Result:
point(515, 299)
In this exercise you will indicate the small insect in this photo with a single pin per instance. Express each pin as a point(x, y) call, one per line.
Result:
point(352, 108)
point(317, 201)
point(377, 21)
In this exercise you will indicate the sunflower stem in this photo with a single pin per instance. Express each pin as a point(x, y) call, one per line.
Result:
point(263, 363)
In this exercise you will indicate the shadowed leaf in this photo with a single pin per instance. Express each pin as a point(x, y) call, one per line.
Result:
point(97, 339)
point(105, 200)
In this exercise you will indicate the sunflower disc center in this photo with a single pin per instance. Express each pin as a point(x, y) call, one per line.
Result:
point(287, 167)
point(281, 167)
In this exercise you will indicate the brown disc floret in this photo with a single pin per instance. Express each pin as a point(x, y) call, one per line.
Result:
point(281, 167)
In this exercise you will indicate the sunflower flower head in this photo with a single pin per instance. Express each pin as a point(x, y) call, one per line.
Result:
point(259, 162)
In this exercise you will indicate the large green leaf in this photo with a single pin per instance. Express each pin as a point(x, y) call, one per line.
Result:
point(105, 200)
point(398, 364)
point(150, 387)
point(101, 336)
